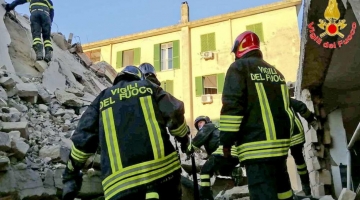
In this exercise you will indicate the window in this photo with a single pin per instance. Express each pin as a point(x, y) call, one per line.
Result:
point(208, 42)
point(166, 56)
point(128, 57)
point(94, 55)
point(210, 84)
point(258, 29)
point(168, 86)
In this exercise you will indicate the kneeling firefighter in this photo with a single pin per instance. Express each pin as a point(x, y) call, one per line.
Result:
point(208, 135)
point(129, 122)
point(42, 16)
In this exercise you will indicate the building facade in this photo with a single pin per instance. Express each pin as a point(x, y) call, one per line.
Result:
point(192, 57)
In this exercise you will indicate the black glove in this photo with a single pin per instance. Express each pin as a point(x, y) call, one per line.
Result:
point(72, 182)
point(8, 8)
point(184, 142)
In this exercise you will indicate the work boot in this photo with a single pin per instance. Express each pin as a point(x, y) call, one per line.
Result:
point(306, 189)
point(38, 48)
point(206, 193)
point(48, 54)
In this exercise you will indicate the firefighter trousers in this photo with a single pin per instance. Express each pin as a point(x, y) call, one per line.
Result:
point(269, 180)
point(41, 25)
point(296, 152)
point(215, 164)
point(168, 190)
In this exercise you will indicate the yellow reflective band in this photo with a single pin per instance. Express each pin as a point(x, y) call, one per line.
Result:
point(204, 176)
point(297, 139)
point(306, 114)
point(138, 169)
point(141, 179)
point(79, 155)
point(38, 4)
point(229, 127)
point(157, 142)
point(205, 184)
point(37, 42)
point(286, 99)
point(299, 125)
point(111, 139)
point(231, 119)
point(252, 146)
point(285, 195)
point(180, 131)
point(48, 4)
point(47, 45)
point(36, 39)
point(301, 166)
point(152, 195)
point(302, 172)
point(219, 151)
point(266, 153)
point(266, 112)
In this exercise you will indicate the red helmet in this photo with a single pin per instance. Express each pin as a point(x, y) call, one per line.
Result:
point(244, 43)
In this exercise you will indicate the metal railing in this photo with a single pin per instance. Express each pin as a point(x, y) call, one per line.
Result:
point(349, 147)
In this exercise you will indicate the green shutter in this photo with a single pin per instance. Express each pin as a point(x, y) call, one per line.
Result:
point(119, 59)
point(137, 56)
point(211, 42)
point(203, 41)
point(176, 54)
point(157, 65)
point(163, 85)
point(170, 86)
point(259, 31)
point(220, 82)
point(250, 28)
point(199, 89)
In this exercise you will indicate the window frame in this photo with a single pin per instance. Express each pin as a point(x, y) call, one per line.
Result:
point(166, 46)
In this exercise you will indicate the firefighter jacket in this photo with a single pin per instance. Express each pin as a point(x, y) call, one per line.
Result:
point(208, 136)
point(44, 5)
point(129, 122)
point(256, 111)
point(299, 107)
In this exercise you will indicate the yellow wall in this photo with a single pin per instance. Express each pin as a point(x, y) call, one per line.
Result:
point(280, 48)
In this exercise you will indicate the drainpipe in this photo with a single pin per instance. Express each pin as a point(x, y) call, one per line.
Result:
point(355, 136)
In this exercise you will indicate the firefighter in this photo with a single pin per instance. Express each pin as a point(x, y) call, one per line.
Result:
point(208, 135)
point(42, 16)
point(129, 122)
point(256, 115)
point(149, 72)
point(298, 141)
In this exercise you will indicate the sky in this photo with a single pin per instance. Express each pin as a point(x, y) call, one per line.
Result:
point(94, 20)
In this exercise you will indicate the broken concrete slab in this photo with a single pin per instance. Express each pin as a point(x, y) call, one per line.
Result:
point(44, 95)
point(22, 127)
point(98, 84)
point(5, 142)
point(7, 82)
point(41, 66)
point(27, 90)
point(19, 148)
point(55, 152)
point(52, 79)
point(3, 94)
point(75, 91)
point(68, 99)
point(347, 194)
point(60, 40)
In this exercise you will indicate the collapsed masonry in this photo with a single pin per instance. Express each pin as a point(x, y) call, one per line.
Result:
point(40, 106)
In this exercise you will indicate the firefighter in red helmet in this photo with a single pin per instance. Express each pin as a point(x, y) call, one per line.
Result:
point(256, 116)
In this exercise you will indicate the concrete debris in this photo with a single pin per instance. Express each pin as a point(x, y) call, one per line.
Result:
point(347, 194)
point(40, 106)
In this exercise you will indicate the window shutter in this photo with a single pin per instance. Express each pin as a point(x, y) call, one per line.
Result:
point(203, 40)
point(137, 56)
point(176, 54)
point(170, 86)
point(157, 65)
point(220, 82)
point(163, 85)
point(211, 42)
point(259, 31)
point(199, 89)
point(250, 28)
point(119, 59)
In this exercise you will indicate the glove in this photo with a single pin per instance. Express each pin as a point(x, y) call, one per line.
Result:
point(7, 8)
point(227, 152)
point(184, 142)
point(72, 183)
point(189, 150)
point(314, 124)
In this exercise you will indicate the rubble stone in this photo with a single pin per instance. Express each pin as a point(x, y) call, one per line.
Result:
point(7, 82)
point(27, 90)
point(19, 147)
point(68, 99)
point(43, 108)
point(5, 142)
point(55, 152)
point(347, 194)
point(41, 66)
point(22, 127)
point(3, 94)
